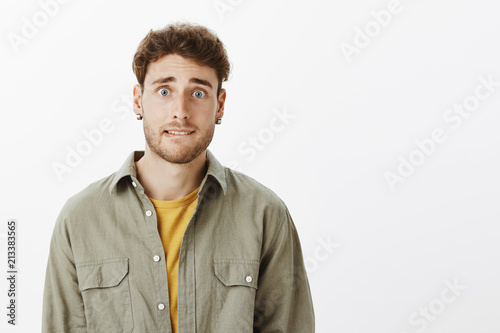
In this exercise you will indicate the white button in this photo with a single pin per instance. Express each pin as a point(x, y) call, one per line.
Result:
point(134, 184)
point(156, 258)
point(249, 279)
point(148, 213)
point(161, 306)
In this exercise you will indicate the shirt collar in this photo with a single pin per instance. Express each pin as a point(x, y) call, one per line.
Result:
point(215, 169)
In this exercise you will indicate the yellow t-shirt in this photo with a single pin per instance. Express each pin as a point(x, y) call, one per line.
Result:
point(173, 218)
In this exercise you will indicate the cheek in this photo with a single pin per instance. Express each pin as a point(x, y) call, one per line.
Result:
point(206, 110)
point(156, 108)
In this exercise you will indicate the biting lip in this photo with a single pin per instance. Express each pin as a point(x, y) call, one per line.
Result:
point(179, 132)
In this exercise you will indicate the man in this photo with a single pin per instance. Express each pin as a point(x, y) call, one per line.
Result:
point(174, 241)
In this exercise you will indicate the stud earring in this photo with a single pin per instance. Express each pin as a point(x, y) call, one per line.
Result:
point(139, 116)
point(219, 120)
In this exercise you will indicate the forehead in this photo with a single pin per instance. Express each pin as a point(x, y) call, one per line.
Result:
point(179, 67)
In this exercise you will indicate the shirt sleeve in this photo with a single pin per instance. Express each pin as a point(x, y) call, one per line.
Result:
point(63, 310)
point(283, 302)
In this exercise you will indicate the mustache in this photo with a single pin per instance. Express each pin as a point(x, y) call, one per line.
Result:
point(178, 126)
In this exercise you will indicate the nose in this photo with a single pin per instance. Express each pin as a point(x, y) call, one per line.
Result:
point(180, 107)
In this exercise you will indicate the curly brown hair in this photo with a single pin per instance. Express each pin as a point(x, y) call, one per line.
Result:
point(194, 42)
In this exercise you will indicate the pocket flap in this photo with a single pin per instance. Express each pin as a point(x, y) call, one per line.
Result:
point(102, 273)
point(237, 272)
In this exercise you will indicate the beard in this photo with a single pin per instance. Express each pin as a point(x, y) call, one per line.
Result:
point(177, 150)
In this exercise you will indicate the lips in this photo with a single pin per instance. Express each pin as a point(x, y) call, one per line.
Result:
point(179, 132)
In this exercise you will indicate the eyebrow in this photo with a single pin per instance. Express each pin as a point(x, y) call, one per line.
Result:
point(172, 79)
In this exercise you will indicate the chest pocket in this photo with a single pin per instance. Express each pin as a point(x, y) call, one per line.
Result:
point(106, 295)
point(237, 281)
point(237, 272)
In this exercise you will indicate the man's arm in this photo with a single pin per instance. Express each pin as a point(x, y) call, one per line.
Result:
point(63, 310)
point(283, 302)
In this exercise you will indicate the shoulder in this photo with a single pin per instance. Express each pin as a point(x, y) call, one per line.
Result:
point(94, 195)
point(78, 210)
point(239, 183)
point(256, 200)
point(264, 205)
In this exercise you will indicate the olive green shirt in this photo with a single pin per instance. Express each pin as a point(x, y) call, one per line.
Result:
point(240, 265)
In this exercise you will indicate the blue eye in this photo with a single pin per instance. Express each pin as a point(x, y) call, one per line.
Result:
point(198, 93)
point(163, 91)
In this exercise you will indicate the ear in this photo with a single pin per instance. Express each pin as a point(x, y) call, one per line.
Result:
point(137, 100)
point(220, 102)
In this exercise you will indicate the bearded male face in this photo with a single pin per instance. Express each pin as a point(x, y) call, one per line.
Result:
point(180, 107)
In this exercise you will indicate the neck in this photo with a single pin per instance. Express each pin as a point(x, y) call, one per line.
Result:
point(163, 180)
